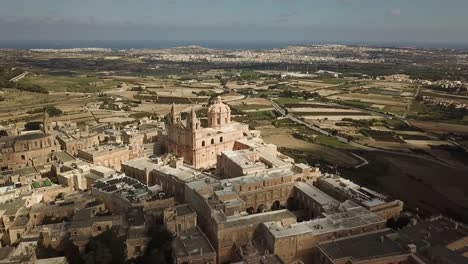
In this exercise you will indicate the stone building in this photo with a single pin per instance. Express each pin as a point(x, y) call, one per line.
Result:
point(193, 247)
point(376, 247)
point(230, 211)
point(109, 155)
point(343, 189)
point(74, 142)
point(190, 244)
point(174, 176)
point(141, 169)
point(199, 146)
point(18, 228)
point(80, 175)
point(180, 219)
point(298, 241)
point(29, 148)
point(121, 193)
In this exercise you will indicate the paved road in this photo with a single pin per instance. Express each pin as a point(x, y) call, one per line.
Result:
point(353, 143)
point(364, 161)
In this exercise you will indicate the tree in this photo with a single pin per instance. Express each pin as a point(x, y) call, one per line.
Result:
point(43, 251)
point(71, 252)
point(106, 248)
point(159, 248)
point(53, 111)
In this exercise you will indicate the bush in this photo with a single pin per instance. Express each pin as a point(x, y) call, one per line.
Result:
point(33, 88)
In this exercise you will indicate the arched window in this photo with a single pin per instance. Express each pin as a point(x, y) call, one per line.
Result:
point(203, 143)
point(212, 141)
point(221, 139)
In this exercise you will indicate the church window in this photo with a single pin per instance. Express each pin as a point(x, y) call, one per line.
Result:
point(203, 143)
point(221, 139)
point(218, 120)
point(212, 141)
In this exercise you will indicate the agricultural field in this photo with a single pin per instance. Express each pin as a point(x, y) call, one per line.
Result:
point(72, 82)
point(440, 127)
point(324, 151)
point(34, 102)
point(382, 96)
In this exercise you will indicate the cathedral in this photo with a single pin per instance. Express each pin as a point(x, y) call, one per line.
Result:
point(199, 146)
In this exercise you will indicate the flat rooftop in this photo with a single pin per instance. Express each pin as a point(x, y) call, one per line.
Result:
point(192, 243)
point(184, 209)
point(243, 220)
point(12, 207)
point(65, 157)
point(313, 192)
point(104, 149)
point(436, 231)
point(265, 175)
point(349, 218)
point(142, 164)
point(182, 172)
point(120, 183)
point(365, 246)
point(366, 197)
point(241, 159)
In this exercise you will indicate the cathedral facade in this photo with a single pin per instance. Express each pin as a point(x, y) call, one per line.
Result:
point(200, 146)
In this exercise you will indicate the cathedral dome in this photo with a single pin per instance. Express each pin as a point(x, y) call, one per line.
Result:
point(219, 107)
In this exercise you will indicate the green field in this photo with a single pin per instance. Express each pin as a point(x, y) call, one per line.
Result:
point(287, 100)
point(332, 142)
point(73, 83)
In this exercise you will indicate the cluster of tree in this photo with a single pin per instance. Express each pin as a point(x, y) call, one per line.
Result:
point(222, 81)
point(299, 94)
point(204, 93)
point(51, 111)
point(159, 248)
point(135, 88)
point(68, 249)
point(6, 75)
point(109, 248)
point(439, 112)
point(33, 88)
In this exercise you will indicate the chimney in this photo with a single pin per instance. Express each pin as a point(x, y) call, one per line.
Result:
point(412, 248)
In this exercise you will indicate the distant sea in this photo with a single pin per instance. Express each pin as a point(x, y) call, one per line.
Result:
point(214, 44)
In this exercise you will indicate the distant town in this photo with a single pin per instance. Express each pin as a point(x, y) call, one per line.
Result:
point(304, 154)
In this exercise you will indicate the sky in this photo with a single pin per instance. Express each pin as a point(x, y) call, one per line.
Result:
point(424, 21)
